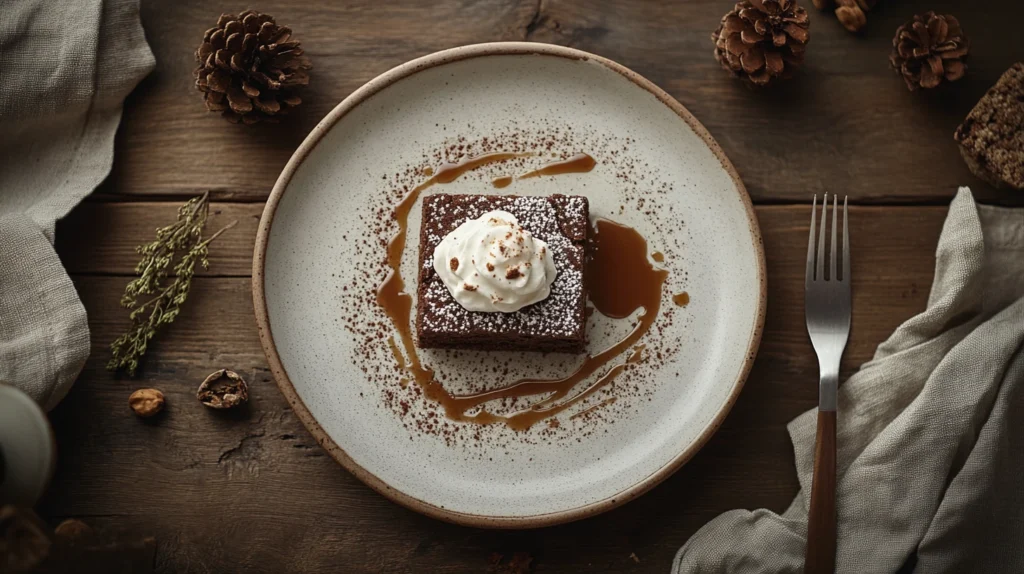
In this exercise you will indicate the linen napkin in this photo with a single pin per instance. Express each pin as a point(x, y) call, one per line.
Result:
point(66, 68)
point(930, 431)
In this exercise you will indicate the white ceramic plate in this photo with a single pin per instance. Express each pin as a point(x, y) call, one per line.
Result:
point(319, 256)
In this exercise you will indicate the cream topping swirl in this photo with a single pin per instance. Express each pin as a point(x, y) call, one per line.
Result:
point(492, 264)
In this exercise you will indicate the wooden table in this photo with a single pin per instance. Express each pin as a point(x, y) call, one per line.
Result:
point(251, 490)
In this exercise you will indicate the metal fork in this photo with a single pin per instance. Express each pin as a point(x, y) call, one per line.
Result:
point(827, 308)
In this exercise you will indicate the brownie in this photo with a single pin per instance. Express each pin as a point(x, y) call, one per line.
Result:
point(992, 137)
point(556, 324)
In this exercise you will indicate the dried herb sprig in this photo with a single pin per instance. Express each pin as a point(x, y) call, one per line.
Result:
point(182, 241)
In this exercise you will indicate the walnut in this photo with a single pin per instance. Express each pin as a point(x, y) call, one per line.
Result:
point(74, 530)
point(851, 17)
point(223, 389)
point(146, 402)
point(24, 542)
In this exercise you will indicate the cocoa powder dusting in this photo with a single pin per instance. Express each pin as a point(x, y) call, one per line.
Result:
point(640, 189)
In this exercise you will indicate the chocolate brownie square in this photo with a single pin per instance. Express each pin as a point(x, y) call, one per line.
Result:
point(555, 324)
point(992, 137)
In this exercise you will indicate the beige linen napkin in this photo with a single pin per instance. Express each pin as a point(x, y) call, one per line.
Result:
point(66, 68)
point(931, 431)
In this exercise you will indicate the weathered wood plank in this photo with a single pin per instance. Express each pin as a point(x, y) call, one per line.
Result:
point(101, 237)
point(169, 143)
point(234, 491)
point(846, 124)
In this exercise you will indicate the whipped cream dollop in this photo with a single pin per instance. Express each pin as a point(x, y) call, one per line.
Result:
point(492, 264)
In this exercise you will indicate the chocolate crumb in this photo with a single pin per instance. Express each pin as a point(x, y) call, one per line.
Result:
point(469, 287)
point(454, 263)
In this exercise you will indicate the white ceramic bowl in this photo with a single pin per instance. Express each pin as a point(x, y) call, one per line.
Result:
point(659, 171)
point(27, 448)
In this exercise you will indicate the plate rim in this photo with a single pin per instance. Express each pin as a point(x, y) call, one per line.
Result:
point(284, 383)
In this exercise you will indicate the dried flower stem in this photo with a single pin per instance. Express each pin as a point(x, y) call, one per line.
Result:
point(183, 240)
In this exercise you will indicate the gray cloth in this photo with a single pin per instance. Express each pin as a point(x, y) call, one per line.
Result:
point(66, 69)
point(931, 431)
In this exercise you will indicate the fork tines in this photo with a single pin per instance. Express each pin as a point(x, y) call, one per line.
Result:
point(816, 265)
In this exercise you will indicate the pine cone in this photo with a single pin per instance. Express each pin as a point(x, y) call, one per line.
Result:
point(250, 67)
point(929, 48)
point(762, 40)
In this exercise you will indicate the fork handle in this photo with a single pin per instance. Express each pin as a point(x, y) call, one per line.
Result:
point(821, 519)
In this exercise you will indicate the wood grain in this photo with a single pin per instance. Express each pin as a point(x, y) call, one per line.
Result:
point(821, 516)
point(846, 124)
point(252, 490)
point(101, 238)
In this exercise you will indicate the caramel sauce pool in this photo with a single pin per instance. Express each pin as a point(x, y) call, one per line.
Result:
point(620, 281)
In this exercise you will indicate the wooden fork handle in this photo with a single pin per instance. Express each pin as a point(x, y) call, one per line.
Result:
point(821, 519)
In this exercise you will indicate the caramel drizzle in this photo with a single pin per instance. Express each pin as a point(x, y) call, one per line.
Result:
point(502, 182)
point(392, 296)
point(590, 409)
point(579, 163)
point(621, 255)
